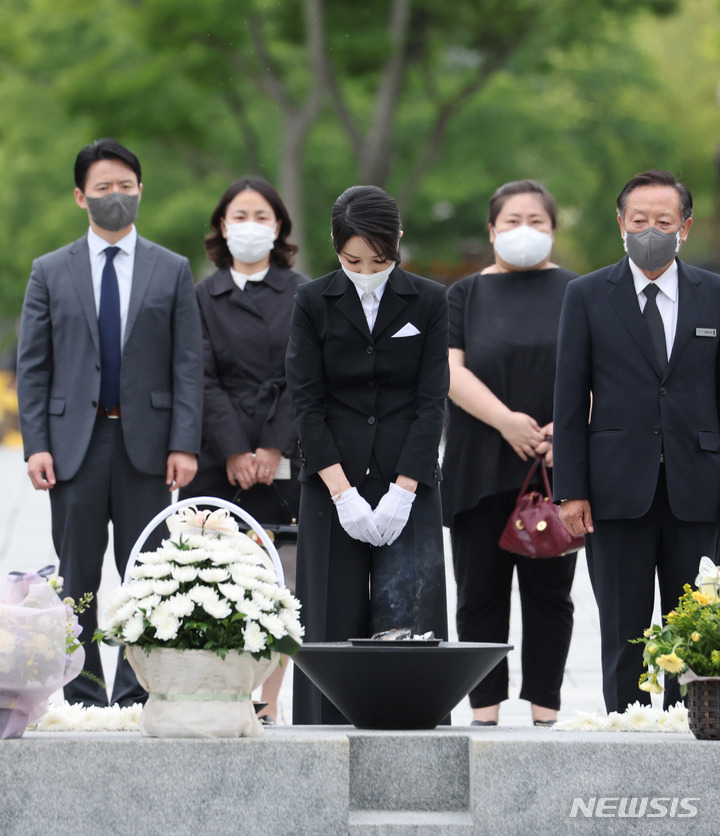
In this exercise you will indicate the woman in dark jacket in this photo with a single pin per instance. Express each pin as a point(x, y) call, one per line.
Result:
point(249, 434)
point(367, 368)
point(503, 335)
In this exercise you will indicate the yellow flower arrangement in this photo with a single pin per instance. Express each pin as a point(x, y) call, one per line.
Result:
point(689, 640)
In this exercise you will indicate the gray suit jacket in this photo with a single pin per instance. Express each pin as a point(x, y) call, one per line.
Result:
point(59, 359)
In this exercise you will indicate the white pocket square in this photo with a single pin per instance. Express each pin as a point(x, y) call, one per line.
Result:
point(408, 330)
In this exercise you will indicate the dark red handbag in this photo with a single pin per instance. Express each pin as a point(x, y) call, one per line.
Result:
point(534, 528)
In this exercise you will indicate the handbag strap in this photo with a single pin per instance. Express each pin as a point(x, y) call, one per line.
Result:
point(546, 482)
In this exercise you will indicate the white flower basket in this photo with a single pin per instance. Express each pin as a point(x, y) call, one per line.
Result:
point(196, 693)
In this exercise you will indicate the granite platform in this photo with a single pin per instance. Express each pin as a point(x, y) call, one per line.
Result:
point(338, 780)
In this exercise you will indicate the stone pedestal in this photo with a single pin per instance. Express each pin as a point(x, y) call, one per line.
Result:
point(340, 780)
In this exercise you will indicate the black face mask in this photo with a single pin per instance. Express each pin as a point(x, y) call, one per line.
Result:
point(113, 211)
point(651, 249)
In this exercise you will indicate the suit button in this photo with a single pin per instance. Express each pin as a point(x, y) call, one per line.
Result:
point(94, 404)
point(370, 349)
point(97, 367)
point(371, 384)
point(304, 461)
point(663, 391)
point(371, 420)
point(367, 472)
point(656, 430)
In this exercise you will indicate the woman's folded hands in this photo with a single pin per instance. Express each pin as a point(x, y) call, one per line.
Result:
point(380, 527)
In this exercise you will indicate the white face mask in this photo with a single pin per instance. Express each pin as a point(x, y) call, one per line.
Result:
point(250, 242)
point(367, 282)
point(523, 246)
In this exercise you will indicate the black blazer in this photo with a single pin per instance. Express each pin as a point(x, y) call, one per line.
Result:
point(359, 395)
point(245, 333)
point(637, 412)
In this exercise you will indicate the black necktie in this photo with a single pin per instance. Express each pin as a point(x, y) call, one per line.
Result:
point(109, 328)
point(655, 325)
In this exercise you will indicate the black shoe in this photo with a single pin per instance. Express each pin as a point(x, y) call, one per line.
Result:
point(484, 723)
point(544, 724)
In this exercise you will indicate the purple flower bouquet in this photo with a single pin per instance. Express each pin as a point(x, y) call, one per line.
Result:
point(39, 648)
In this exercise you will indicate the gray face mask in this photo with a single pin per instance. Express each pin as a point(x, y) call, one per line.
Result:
point(651, 249)
point(113, 211)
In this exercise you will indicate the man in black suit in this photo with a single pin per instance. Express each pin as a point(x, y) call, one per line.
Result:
point(109, 388)
point(639, 473)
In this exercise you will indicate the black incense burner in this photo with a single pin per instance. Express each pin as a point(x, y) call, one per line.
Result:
point(398, 684)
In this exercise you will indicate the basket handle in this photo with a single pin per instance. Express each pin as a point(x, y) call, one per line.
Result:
point(218, 503)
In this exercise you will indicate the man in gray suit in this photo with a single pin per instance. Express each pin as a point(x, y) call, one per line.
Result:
point(109, 388)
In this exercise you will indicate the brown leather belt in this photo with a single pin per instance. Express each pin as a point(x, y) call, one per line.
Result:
point(111, 413)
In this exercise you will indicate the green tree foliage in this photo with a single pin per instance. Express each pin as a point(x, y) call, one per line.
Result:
point(437, 102)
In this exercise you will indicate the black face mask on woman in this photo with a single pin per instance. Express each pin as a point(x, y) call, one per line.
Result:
point(651, 249)
point(113, 211)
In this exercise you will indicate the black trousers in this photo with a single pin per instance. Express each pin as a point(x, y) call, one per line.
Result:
point(484, 573)
point(623, 558)
point(107, 488)
point(350, 589)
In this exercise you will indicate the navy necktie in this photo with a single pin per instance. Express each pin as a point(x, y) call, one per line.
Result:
point(109, 328)
point(652, 317)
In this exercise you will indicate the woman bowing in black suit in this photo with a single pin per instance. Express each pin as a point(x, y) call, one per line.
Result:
point(368, 372)
point(249, 435)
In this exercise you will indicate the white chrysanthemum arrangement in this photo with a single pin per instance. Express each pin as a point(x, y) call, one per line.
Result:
point(209, 587)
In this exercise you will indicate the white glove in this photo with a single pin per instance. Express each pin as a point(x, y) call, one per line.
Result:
point(392, 513)
point(356, 517)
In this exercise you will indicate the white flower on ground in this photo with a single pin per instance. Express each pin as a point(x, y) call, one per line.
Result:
point(166, 587)
point(214, 575)
point(253, 637)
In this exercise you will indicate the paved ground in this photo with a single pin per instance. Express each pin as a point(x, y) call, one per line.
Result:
point(25, 543)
